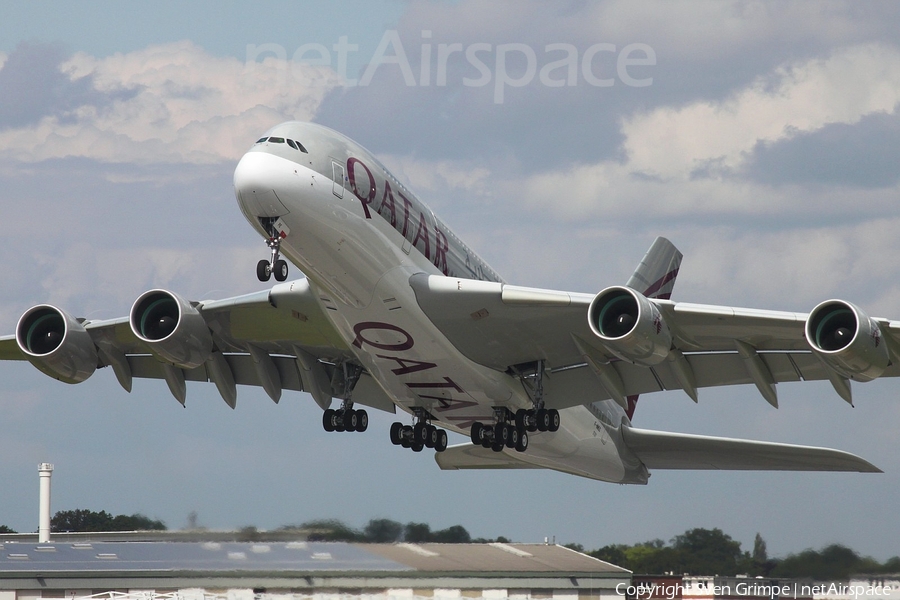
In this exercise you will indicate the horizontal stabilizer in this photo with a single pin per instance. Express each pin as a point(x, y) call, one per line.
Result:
point(470, 456)
point(665, 450)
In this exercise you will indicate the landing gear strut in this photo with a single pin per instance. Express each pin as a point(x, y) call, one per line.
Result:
point(511, 430)
point(277, 266)
point(345, 418)
point(421, 435)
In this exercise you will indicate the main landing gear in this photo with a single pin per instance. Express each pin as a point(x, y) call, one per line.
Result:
point(346, 418)
point(419, 436)
point(511, 430)
point(276, 266)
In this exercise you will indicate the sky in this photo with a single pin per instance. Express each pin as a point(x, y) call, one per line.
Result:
point(557, 139)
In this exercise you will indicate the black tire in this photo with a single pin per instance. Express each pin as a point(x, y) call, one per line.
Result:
point(486, 442)
point(441, 444)
point(407, 437)
point(531, 425)
point(280, 270)
point(431, 436)
point(554, 420)
point(512, 439)
point(497, 447)
point(501, 434)
point(328, 419)
point(262, 270)
point(476, 434)
point(543, 420)
point(363, 422)
point(521, 418)
point(351, 420)
point(396, 428)
point(420, 433)
point(522, 446)
point(417, 447)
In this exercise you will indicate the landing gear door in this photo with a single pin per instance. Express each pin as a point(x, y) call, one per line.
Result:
point(338, 186)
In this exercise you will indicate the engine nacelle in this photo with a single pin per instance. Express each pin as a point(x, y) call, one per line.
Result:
point(56, 343)
point(630, 326)
point(848, 340)
point(174, 330)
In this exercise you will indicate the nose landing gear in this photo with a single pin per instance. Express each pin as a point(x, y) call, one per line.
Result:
point(276, 230)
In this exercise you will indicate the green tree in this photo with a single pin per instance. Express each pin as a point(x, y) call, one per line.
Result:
point(383, 531)
point(455, 534)
point(89, 520)
point(707, 551)
point(5, 529)
point(331, 530)
point(417, 533)
point(832, 562)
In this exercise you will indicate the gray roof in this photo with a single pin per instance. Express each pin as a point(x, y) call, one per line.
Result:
point(22, 559)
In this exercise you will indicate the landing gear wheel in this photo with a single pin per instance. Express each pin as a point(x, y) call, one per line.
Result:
point(521, 418)
point(420, 433)
point(512, 439)
point(486, 442)
point(328, 420)
point(431, 435)
point(497, 447)
point(441, 443)
point(406, 435)
point(417, 447)
point(522, 444)
point(554, 419)
point(262, 270)
point(351, 420)
point(280, 270)
point(501, 434)
point(477, 433)
point(543, 420)
point(363, 420)
point(396, 437)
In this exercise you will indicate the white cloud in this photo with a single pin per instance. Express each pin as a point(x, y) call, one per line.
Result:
point(172, 103)
point(853, 82)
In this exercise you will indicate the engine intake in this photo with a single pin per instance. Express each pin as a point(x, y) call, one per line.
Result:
point(847, 340)
point(630, 326)
point(173, 329)
point(56, 343)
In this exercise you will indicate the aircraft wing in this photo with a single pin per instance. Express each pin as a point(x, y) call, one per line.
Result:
point(277, 339)
point(501, 326)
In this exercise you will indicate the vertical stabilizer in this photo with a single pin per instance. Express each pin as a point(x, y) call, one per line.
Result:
point(655, 278)
point(656, 273)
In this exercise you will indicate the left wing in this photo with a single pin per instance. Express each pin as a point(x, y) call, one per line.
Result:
point(276, 339)
point(660, 345)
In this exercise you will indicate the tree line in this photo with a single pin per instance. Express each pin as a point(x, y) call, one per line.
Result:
point(697, 551)
point(712, 552)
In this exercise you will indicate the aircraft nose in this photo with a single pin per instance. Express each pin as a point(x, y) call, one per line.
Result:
point(257, 178)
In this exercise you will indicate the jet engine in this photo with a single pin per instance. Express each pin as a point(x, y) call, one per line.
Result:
point(630, 326)
point(56, 343)
point(173, 329)
point(847, 340)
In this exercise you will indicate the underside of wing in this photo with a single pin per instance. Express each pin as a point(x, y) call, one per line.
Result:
point(470, 456)
point(665, 450)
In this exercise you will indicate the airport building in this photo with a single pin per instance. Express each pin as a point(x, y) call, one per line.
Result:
point(300, 570)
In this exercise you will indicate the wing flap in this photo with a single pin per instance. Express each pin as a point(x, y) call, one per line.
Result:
point(470, 456)
point(666, 450)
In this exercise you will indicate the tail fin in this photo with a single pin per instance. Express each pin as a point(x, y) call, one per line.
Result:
point(655, 278)
point(655, 275)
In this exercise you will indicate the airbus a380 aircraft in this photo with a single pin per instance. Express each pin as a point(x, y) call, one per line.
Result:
point(396, 311)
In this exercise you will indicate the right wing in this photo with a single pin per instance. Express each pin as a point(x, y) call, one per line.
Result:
point(277, 339)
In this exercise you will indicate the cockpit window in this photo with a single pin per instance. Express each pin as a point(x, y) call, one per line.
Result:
point(292, 144)
point(300, 147)
point(261, 140)
point(276, 140)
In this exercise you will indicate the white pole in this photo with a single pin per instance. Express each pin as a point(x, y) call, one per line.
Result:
point(45, 470)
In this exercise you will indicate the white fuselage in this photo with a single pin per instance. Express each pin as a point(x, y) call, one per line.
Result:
point(359, 236)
